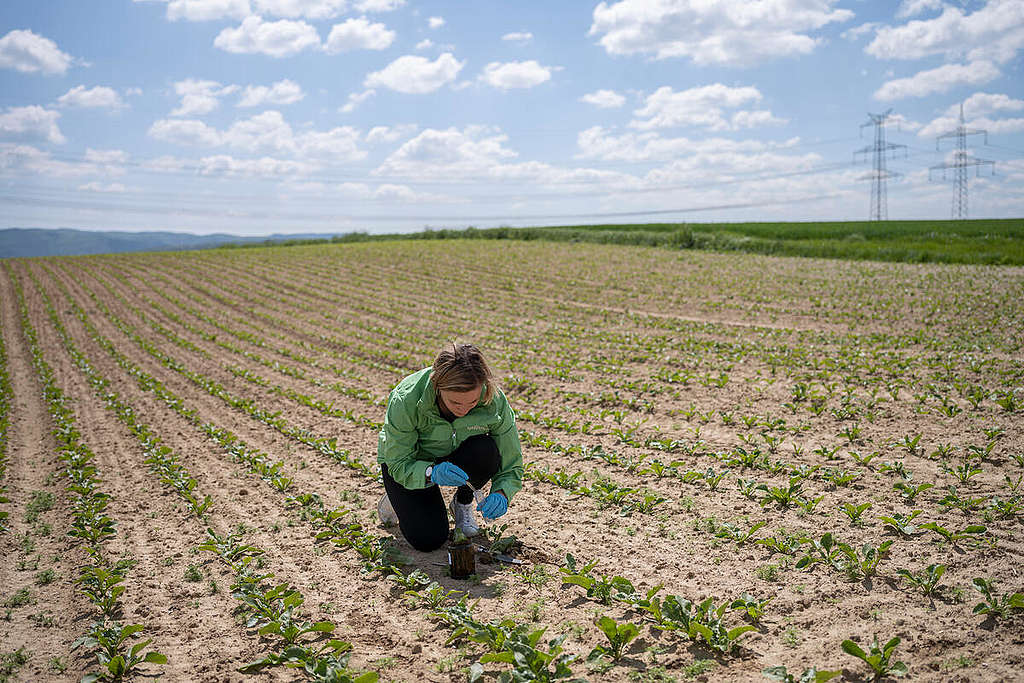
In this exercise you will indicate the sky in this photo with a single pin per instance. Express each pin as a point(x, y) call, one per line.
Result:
point(258, 117)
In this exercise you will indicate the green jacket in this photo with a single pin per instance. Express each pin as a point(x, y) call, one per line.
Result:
point(415, 435)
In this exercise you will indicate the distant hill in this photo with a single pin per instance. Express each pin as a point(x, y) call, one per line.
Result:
point(23, 242)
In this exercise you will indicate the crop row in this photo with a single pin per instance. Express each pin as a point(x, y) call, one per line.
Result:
point(113, 643)
point(6, 401)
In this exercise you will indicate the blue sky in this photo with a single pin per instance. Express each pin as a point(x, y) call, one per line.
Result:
point(293, 116)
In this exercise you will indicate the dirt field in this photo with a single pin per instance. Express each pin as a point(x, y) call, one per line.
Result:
point(669, 403)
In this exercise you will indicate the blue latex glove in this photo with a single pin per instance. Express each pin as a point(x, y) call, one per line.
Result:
point(447, 474)
point(493, 506)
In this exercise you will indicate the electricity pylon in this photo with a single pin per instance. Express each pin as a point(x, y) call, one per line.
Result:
point(879, 202)
point(961, 160)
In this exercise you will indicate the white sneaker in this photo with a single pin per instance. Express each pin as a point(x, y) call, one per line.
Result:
point(386, 512)
point(464, 517)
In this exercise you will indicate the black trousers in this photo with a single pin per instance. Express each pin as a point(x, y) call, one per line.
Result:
point(421, 514)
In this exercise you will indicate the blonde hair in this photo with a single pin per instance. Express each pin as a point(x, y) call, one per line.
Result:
point(461, 367)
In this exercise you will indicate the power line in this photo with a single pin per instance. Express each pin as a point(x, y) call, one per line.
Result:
point(961, 160)
point(879, 209)
point(335, 217)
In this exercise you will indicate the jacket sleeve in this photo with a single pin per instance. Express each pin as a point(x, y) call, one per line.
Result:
point(398, 446)
point(510, 472)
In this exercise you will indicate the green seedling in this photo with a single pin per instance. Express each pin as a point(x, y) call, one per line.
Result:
point(498, 542)
point(840, 477)
point(809, 675)
point(902, 524)
point(909, 491)
point(412, 581)
point(854, 512)
point(825, 550)
point(996, 606)
point(600, 587)
point(808, 504)
point(322, 662)
point(748, 487)
point(910, 443)
point(927, 580)
point(529, 662)
point(619, 637)
point(783, 542)
point(435, 596)
point(864, 460)
point(953, 499)
point(102, 587)
point(953, 537)
point(733, 533)
point(897, 467)
point(109, 642)
point(880, 660)
point(863, 564)
point(964, 471)
point(753, 607)
point(1008, 508)
point(783, 497)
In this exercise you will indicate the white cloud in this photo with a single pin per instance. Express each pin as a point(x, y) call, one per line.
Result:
point(378, 5)
point(22, 159)
point(189, 132)
point(280, 93)
point(475, 149)
point(983, 104)
point(105, 156)
point(207, 10)
point(359, 34)
point(754, 119)
point(425, 44)
point(416, 75)
point(379, 135)
point(600, 143)
point(267, 132)
point(943, 125)
point(28, 52)
point(730, 32)
point(508, 75)
point(226, 165)
point(274, 38)
point(199, 97)
point(909, 8)
point(994, 32)
point(100, 187)
point(605, 99)
point(857, 31)
point(166, 164)
point(479, 152)
point(978, 110)
point(518, 37)
point(309, 9)
point(100, 97)
point(436, 22)
point(337, 144)
point(701, 106)
point(31, 123)
point(355, 99)
point(387, 192)
point(938, 80)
